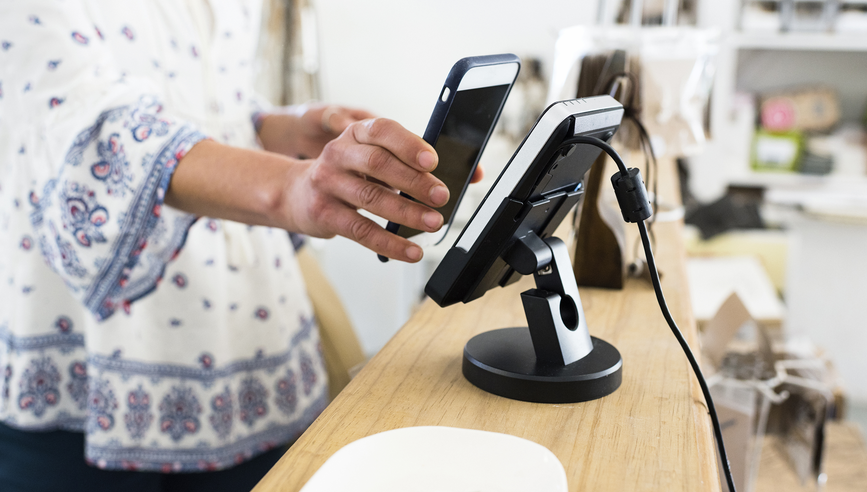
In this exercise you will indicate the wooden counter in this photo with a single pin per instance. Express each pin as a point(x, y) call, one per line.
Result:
point(652, 434)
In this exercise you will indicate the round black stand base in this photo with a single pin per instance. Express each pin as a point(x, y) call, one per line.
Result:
point(503, 362)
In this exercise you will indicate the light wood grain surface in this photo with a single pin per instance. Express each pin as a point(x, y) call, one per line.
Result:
point(652, 434)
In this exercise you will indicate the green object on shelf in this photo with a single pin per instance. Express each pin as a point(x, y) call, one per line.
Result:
point(777, 151)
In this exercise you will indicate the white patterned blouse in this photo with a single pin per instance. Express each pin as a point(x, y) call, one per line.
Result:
point(174, 343)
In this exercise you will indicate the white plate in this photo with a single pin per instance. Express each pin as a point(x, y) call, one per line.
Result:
point(440, 459)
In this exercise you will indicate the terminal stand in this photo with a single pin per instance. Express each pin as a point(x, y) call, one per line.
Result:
point(554, 359)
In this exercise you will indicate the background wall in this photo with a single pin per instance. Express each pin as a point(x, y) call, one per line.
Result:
point(391, 57)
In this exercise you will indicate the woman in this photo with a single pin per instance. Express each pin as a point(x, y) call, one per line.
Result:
point(138, 318)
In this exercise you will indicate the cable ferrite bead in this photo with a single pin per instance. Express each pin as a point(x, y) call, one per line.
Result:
point(632, 196)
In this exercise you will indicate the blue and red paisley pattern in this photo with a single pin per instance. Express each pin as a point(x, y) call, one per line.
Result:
point(221, 417)
point(113, 167)
point(77, 385)
point(40, 386)
point(69, 261)
point(7, 379)
point(252, 401)
point(180, 280)
point(63, 324)
point(82, 214)
point(287, 393)
point(79, 38)
point(206, 360)
point(146, 122)
point(101, 405)
point(308, 373)
point(138, 417)
point(179, 413)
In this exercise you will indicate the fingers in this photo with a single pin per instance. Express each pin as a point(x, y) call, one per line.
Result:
point(352, 225)
point(382, 164)
point(478, 174)
point(405, 145)
point(380, 200)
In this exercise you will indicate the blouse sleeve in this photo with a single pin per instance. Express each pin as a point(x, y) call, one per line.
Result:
point(100, 152)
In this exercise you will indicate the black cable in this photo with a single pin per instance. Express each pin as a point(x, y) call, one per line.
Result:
point(632, 110)
point(663, 306)
point(648, 150)
point(654, 278)
point(650, 163)
point(597, 142)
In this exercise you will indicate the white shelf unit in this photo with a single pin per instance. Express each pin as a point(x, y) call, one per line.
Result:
point(827, 270)
point(797, 41)
point(757, 62)
point(771, 179)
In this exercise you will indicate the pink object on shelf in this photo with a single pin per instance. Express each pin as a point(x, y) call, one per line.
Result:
point(778, 114)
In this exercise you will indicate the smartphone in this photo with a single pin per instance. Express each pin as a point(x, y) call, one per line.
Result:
point(462, 121)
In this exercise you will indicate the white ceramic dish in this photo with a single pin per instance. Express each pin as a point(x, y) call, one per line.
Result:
point(440, 459)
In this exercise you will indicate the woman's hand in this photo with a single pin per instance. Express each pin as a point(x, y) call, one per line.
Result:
point(302, 131)
point(364, 168)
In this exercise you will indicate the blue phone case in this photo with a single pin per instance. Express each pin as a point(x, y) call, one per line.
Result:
point(441, 110)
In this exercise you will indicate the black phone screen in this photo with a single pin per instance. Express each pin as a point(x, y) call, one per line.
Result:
point(459, 145)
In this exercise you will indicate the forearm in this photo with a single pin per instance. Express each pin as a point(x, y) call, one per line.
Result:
point(243, 185)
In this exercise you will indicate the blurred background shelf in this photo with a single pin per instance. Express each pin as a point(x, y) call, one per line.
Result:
point(800, 41)
point(796, 180)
